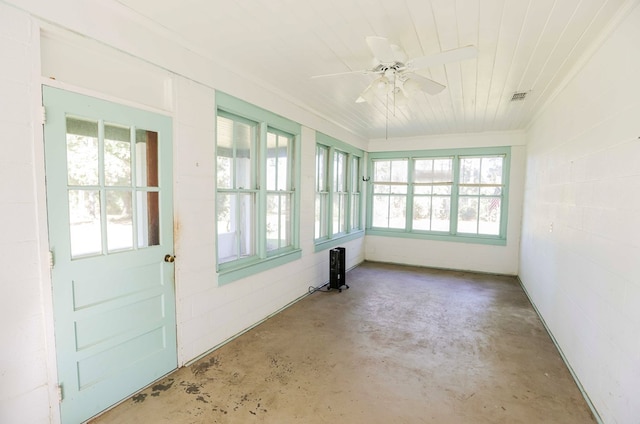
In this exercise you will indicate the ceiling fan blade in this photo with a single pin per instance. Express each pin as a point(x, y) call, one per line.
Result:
point(455, 55)
point(362, 72)
point(415, 82)
point(367, 95)
point(381, 49)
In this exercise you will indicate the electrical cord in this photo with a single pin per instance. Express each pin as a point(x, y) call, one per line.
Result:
point(313, 289)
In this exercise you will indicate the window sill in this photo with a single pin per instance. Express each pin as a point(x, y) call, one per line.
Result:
point(231, 273)
point(325, 244)
point(462, 238)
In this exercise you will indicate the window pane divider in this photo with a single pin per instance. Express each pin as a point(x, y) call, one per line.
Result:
point(261, 224)
point(103, 191)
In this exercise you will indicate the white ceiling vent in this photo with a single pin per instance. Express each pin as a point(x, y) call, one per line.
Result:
point(519, 96)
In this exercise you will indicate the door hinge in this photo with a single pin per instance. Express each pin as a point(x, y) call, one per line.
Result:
point(51, 260)
point(43, 115)
point(60, 393)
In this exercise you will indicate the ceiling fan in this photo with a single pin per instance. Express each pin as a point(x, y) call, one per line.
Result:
point(396, 74)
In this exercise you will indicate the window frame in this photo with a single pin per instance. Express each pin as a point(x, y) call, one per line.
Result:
point(263, 259)
point(322, 188)
point(353, 192)
point(452, 234)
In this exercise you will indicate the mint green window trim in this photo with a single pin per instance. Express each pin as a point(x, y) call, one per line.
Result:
point(453, 234)
point(352, 230)
point(267, 122)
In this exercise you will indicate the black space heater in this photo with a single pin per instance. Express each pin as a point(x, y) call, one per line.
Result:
point(337, 268)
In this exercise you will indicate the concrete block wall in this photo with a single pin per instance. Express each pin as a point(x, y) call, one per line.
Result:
point(209, 314)
point(580, 255)
point(23, 354)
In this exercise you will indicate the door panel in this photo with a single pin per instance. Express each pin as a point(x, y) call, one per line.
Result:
point(109, 201)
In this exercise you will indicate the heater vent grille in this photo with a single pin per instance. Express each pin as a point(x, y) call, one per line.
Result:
point(518, 96)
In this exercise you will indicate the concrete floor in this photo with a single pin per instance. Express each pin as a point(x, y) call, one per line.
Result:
point(402, 345)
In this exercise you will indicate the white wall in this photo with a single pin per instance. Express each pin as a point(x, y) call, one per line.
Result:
point(24, 394)
point(580, 256)
point(123, 60)
point(452, 255)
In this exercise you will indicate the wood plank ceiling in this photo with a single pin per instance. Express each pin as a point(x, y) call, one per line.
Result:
point(524, 46)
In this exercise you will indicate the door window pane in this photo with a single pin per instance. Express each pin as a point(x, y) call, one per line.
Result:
point(148, 218)
point(117, 155)
point(82, 152)
point(119, 220)
point(146, 158)
point(84, 222)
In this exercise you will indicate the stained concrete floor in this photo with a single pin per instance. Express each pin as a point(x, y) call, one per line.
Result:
point(402, 345)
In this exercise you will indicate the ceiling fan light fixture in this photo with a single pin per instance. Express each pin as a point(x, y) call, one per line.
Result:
point(410, 86)
point(382, 84)
point(400, 99)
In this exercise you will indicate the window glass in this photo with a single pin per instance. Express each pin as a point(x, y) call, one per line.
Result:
point(279, 161)
point(255, 194)
point(337, 205)
point(236, 198)
point(355, 193)
point(119, 220)
point(113, 192)
point(117, 155)
point(147, 201)
point(340, 194)
point(432, 182)
point(480, 195)
point(390, 193)
point(322, 193)
point(85, 222)
point(82, 152)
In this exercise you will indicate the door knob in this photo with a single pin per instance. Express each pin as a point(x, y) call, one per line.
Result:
point(169, 258)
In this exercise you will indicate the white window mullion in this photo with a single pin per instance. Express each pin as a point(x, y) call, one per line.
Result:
point(261, 200)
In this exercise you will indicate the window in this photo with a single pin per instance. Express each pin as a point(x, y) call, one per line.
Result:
point(337, 204)
point(433, 180)
point(480, 195)
point(340, 194)
point(237, 187)
point(355, 192)
point(322, 192)
point(279, 190)
point(457, 195)
point(390, 193)
point(257, 206)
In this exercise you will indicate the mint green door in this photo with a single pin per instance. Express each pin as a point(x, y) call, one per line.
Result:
point(109, 201)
